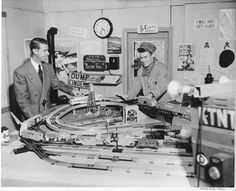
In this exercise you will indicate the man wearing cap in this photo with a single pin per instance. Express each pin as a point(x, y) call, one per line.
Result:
point(152, 77)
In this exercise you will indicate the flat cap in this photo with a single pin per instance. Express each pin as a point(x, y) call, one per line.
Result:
point(147, 47)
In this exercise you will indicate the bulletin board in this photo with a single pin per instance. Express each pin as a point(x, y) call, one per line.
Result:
point(213, 24)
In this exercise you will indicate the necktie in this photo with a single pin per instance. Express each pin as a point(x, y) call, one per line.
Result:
point(40, 73)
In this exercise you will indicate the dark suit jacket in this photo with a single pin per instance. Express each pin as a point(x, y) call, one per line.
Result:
point(30, 92)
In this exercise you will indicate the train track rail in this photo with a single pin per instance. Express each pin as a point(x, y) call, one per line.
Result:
point(129, 161)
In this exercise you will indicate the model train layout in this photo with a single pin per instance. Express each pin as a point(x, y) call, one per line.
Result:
point(95, 125)
point(73, 124)
point(94, 119)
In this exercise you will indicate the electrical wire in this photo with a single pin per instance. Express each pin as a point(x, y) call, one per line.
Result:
point(199, 142)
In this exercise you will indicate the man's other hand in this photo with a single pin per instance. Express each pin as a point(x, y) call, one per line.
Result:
point(76, 92)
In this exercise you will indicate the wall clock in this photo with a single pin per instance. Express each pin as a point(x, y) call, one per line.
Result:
point(103, 27)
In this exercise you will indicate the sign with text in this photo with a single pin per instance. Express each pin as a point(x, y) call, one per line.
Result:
point(77, 32)
point(218, 117)
point(82, 80)
point(205, 24)
point(184, 49)
point(77, 79)
point(147, 28)
point(96, 63)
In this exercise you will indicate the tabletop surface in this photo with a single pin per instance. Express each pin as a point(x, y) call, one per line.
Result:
point(163, 167)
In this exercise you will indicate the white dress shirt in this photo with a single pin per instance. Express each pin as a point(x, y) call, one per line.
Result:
point(36, 65)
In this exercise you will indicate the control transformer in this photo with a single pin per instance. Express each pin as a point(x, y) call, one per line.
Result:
point(213, 134)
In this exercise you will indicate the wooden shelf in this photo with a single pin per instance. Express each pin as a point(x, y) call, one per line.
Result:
point(104, 79)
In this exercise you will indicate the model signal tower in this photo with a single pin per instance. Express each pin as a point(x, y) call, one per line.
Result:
point(91, 102)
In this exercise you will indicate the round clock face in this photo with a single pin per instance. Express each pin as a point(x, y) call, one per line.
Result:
point(103, 27)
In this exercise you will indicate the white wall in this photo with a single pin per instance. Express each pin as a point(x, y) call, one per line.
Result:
point(178, 14)
point(177, 22)
point(86, 19)
point(30, 18)
point(198, 38)
point(21, 24)
point(24, 5)
point(25, 19)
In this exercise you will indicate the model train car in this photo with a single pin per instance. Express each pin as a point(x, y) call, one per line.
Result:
point(83, 99)
point(153, 108)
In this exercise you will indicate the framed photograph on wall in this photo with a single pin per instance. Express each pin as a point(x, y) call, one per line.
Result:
point(114, 45)
point(27, 48)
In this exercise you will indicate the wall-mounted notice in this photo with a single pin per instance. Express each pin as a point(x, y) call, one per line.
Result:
point(184, 49)
point(207, 56)
point(78, 32)
point(96, 63)
point(205, 24)
point(147, 28)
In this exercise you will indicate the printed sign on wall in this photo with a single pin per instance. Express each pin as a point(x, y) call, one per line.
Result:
point(205, 24)
point(95, 63)
point(147, 28)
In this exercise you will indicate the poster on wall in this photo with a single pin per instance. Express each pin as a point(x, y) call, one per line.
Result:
point(227, 24)
point(185, 62)
point(114, 45)
point(27, 48)
point(65, 57)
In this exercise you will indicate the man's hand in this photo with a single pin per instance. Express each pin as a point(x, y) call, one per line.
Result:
point(24, 126)
point(149, 96)
point(76, 92)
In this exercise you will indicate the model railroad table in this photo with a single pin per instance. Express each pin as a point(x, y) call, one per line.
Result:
point(162, 167)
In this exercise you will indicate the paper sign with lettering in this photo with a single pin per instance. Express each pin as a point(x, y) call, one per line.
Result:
point(184, 49)
point(78, 32)
point(147, 28)
point(205, 24)
point(77, 79)
point(94, 63)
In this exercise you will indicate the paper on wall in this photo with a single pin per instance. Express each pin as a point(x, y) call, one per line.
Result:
point(77, 32)
point(91, 48)
point(204, 24)
point(207, 56)
point(227, 24)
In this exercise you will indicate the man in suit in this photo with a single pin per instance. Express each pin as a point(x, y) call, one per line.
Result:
point(33, 79)
point(152, 76)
